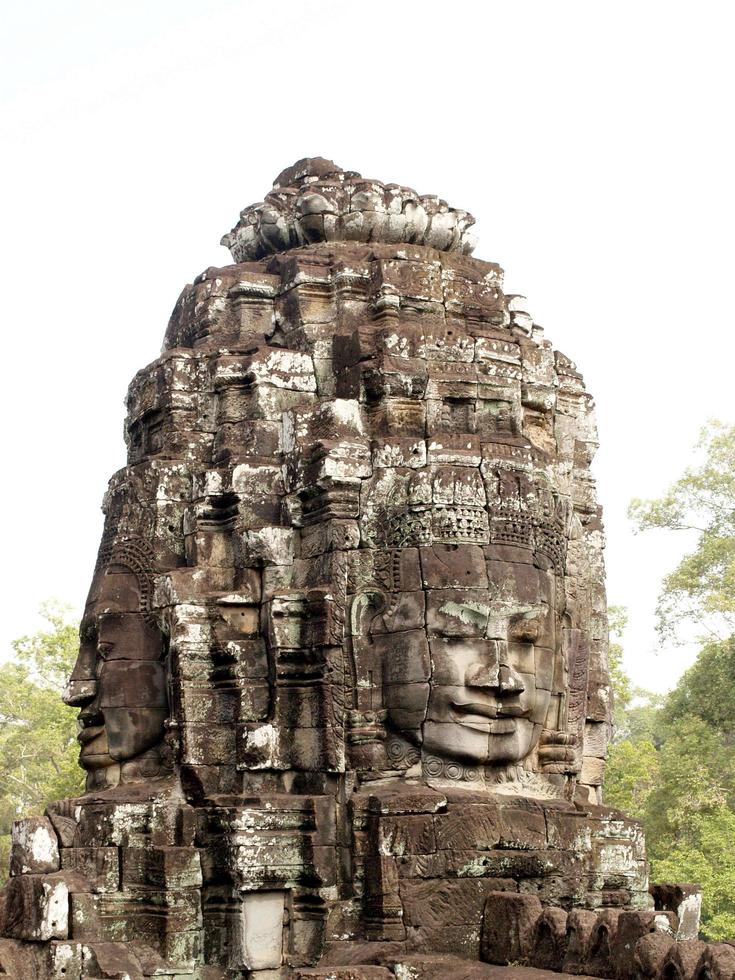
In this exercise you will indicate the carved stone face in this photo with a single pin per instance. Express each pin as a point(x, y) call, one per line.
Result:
point(475, 688)
point(118, 680)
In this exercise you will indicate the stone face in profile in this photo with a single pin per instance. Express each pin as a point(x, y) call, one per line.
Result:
point(342, 672)
point(119, 680)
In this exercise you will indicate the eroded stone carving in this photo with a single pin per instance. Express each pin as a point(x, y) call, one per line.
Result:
point(315, 201)
point(120, 678)
point(342, 672)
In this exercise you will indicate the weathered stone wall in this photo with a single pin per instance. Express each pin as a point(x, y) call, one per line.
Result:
point(342, 673)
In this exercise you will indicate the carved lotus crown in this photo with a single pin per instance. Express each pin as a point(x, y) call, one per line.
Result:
point(317, 201)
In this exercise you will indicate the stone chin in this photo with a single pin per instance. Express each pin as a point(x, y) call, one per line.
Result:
point(90, 759)
point(132, 732)
point(125, 735)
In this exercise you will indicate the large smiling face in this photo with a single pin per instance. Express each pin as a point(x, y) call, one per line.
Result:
point(119, 681)
point(489, 674)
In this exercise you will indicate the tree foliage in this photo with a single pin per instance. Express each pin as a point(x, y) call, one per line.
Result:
point(707, 690)
point(674, 770)
point(673, 763)
point(701, 589)
point(622, 687)
point(630, 777)
point(705, 855)
point(38, 747)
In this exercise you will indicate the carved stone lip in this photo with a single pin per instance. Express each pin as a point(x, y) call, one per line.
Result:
point(489, 710)
point(89, 734)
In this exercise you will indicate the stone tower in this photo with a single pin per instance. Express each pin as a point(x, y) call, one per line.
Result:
point(342, 677)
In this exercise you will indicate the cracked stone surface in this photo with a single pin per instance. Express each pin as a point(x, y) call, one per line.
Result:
point(342, 679)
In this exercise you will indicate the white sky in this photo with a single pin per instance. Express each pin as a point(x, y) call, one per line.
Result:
point(593, 142)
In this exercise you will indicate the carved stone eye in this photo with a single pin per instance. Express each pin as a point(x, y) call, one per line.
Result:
point(104, 649)
point(525, 627)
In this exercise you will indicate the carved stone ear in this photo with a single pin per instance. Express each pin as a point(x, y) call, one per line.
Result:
point(365, 607)
point(365, 720)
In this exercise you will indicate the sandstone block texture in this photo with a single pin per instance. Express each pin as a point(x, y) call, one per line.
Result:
point(342, 679)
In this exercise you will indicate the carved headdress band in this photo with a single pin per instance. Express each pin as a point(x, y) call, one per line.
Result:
point(136, 555)
point(500, 507)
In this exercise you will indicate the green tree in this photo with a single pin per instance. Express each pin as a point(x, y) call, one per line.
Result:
point(701, 589)
point(632, 765)
point(707, 690)
point(621, 684)
point(635, 710)
point(38, 747)
point(696, 776)
point(672, 766)
point(675, 766)
point(630, 776)
point(705, 855)
point(690, 819)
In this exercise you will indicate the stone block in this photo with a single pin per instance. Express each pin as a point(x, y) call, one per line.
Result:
point(445, 567)
point(65, 827)
point(404, 611)
point(580, 924)
point(597, 735)
point(593, 771)
point(344, 973)
point(569, 830)
point(508, 925)
point(161, 867)
point(306, 938)
point(631, 927)
point(34, 847)
point(427, 966)
point(458, 612)
point(406, 835)
point(37, 907)
point(685, 901)
point(468, 827)
point(599, 958)
point(209, 744)
point(262, 930)
point(446, 916)
point(405, 657)
point(66, 961)
point(111, 961)
point(169, 921)
point(25, 961)
point(550, 940)
point(681, 960)
point(650, 954)
point(98, 866)
point(522, 825)
point(332, 535)
point(406, 799)
point(717, 962)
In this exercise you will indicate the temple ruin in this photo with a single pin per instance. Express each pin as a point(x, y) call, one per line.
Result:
point(342, 680)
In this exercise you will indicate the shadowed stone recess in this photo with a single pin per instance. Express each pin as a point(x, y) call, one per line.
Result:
point(342, 683)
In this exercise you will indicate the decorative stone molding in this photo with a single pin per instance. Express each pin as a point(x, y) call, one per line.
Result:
point(317, 201)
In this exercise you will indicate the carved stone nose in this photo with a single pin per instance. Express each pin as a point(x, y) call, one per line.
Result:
point(481, 675)
point(79, 692)
point(508, 681)
point(486, 673)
